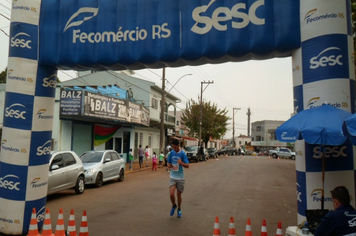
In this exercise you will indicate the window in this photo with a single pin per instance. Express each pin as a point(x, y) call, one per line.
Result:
point(57, 160)
point(258, 128)
point(107, 156)
point(68, 159)
point(154, 103)
point(114, 156)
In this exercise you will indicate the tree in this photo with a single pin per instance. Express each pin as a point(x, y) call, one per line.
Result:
point(3, 76)
point(214, 120)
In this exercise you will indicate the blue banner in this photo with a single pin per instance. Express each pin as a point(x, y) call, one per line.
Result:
point(112, 34)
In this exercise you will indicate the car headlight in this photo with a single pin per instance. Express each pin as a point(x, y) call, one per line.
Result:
point(90, 171)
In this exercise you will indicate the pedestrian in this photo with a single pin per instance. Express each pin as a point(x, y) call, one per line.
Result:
point(160, 163)
point(147, 155)
point(140, 156)
point(154, 161)
point(341, 221)
point(131, 158)
point(239, 152)
point(201, 152)
point(177, 160)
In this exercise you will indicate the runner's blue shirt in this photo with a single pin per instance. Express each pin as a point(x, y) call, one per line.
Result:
point(177, 171)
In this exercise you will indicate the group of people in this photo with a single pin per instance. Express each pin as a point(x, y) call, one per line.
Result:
point(141, 153)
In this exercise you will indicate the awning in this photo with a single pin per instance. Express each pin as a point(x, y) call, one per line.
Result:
point(187, 137)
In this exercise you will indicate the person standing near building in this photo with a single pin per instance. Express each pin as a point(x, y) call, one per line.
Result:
point(131, 158)
point(177, 160)
point(154, 161)
point(140, 156)
point(161, 156)
point(341, 221)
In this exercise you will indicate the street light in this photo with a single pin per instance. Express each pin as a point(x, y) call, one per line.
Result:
point(233, 124)
point(201, 106)
point(178, 81)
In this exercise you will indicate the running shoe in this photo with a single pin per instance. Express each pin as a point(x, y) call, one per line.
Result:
point(179, 213)
point(173, 210)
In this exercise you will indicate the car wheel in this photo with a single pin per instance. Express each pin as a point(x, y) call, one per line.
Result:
point(122, 175)
point(293, 158)
point(99, 180)
point(233, 153)
point(80, 185)
point(274, 155)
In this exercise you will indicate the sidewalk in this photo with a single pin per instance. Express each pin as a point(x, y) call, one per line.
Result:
point(136, 166)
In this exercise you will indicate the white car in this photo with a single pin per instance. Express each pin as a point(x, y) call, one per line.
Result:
point(102, 166)
point(66, 171)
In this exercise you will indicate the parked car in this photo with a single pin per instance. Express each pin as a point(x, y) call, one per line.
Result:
point(282, 152)
point(66, 171)
point(102, 166)
point(212, 152)
point(192, 153)
point(227, 150)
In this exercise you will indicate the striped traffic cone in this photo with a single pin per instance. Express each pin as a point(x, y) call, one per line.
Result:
point(47, 226)
point(33, 228)
point(72, 231)
point(216, 231)
point(84, 225)
point(248, 231)
point(232, 231)
point(264, 228)
point(60, 224)
point(279, 229)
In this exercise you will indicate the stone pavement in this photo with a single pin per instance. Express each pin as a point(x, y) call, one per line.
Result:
point(136, 166)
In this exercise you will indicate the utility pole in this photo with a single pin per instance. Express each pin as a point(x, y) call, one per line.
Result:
point(248, 121)
point(201, 106)
point(233, 125)
point(163, 106)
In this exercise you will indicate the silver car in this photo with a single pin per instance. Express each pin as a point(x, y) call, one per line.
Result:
point(66, 171)
point(102, 166)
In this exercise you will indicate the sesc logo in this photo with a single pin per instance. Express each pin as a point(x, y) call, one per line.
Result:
point(12, 112)
point(21, 40)
point(331, 60)
point(9, 182)
point(299, 199)
point(50, 82)
point(329, 152)
point(45, 149)
point(41, 214)
point(221, 15)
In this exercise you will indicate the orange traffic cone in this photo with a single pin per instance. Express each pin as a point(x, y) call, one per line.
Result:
point(264, 228)
point(33, 228)
point(84, 225)
point(71, 224)
point(47, 226)
point(232, 231)
point(248, 231)
point(216, 231)
point(60, 224)
point(279, 229)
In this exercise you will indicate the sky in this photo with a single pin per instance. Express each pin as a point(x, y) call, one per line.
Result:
point(266, 86)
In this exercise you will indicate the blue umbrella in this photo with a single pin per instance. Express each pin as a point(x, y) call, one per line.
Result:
point(349, 128)
point(322, 125)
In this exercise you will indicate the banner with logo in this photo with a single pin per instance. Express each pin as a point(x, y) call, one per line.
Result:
point(323, 72)
point(150, 33)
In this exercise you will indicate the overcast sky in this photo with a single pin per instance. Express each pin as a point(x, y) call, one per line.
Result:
point(264, 86)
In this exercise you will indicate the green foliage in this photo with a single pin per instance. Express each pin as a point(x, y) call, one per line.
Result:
point(3, 76)
point(214, 120)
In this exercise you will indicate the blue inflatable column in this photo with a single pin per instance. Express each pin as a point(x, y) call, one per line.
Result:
point(27, 126)
point(323, 71)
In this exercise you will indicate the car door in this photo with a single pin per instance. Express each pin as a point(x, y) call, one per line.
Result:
point(116, 163)
point(284, 152)
point(71, 169)
point(107, 166)
point(56, 178)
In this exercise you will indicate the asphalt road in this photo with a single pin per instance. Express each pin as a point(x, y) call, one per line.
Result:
point(240, 187)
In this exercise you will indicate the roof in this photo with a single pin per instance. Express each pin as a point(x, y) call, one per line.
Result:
point(187, 137)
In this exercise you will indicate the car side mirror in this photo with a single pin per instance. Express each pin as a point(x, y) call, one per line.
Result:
point(54, 167)
point(107, 160)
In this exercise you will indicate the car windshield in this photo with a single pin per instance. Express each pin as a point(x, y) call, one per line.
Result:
point(191, 148)
point(90, 157)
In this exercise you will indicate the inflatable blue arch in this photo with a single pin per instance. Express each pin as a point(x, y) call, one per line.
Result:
point(117, 34)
